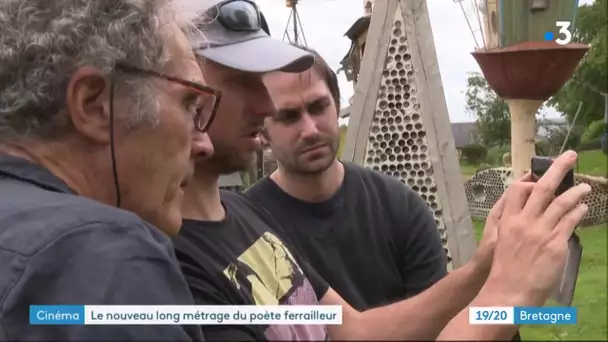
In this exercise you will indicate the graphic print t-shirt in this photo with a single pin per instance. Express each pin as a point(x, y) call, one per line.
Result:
point(242, 260)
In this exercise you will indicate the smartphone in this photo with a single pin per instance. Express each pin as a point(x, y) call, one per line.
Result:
point(564, 291)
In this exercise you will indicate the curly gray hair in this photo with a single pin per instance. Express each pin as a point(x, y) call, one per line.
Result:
point(42, 42)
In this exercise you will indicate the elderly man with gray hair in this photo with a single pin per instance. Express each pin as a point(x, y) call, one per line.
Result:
point(102, 114)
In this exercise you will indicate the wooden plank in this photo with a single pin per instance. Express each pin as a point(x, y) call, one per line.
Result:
point(361, 111)
point(439, 136)
point(399, 121)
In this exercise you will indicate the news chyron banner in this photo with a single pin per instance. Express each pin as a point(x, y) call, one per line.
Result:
point(265, 315)
point(176, 315)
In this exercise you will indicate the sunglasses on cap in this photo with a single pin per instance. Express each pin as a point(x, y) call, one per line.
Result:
point(240, 15)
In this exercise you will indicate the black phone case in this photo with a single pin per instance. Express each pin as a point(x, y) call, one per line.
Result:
point(564, 290)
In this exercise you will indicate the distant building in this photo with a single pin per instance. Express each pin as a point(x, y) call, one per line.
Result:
point(465, 133)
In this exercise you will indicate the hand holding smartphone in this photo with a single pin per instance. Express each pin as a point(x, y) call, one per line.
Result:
point(564, 291)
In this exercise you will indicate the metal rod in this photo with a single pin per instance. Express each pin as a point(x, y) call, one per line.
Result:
point(286, 33)
point(468, 23)
point(295, 23)
point(580, 105)
point(483, 38)
point(301, 29)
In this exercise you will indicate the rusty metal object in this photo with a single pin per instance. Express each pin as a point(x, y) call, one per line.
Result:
point(529, 70)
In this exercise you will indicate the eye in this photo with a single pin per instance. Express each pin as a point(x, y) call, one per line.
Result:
point(287, 116)
point(196, 103)
point(191, 103)
point(318, 107)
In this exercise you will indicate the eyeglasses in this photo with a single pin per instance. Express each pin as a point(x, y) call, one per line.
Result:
point(240, 15)
point(206, 113)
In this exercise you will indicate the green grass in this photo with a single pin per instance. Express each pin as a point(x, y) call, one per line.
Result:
point(467, 169)
point(593, 163)
point(589, 297)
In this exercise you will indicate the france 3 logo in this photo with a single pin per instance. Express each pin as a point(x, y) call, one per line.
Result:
point(564, 35)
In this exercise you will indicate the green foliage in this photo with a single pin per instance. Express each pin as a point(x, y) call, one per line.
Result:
point(491, 112)
point(494, 155)
point(543, 148)
point(589, 145)
point(591, 77)
point(473, 153)
point(555, 140)
point(593, 163)
point(246, 178)
point(594, 130)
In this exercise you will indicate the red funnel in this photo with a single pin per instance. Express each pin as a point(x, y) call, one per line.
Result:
point(530, 70)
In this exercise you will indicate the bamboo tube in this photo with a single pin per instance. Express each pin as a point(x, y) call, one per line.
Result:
point(523, 133)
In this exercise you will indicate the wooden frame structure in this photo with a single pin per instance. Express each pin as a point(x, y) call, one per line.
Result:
point(399, 123)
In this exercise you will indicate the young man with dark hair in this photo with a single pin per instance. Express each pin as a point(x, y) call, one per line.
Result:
point(342, 216)
point(351, 223)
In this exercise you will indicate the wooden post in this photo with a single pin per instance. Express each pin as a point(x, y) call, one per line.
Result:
point(523, 133)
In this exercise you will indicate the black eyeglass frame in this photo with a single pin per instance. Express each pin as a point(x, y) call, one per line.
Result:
point(261, 21)
point(217, 94)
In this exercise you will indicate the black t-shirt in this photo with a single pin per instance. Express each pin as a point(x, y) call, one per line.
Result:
point(375, 241)
point(242, 260)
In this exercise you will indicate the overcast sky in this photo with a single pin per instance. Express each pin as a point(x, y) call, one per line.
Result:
point(326, 21)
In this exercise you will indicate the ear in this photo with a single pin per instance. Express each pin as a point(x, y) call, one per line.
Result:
point(88, 104)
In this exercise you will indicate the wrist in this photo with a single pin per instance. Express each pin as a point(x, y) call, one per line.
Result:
point(496, 292)
point(475, 275)
point(480, 266)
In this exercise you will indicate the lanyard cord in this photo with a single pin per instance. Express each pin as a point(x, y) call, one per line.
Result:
point(112, 147)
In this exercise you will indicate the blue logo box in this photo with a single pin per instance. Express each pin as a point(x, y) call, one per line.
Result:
point(56, 314)
point(545, 315)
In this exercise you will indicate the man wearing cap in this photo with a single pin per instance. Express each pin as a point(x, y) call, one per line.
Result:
point(232, 252)
point(229, 251)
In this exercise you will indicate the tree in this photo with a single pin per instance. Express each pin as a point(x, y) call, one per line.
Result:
point(591, 77)
point(492, 113)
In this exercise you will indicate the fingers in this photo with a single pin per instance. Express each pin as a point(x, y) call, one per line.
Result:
point(544, 190)
point(496, 211)
point(527, 177)
point(564, 204)
point(567, 224)
point(517, 195)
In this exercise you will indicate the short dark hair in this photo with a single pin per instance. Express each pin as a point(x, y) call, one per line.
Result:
point(321, 67)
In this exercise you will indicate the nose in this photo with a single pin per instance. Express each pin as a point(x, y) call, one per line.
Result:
point(308, 126)
point(202, 148)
